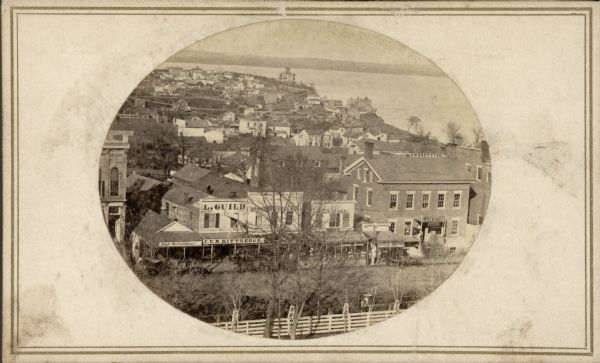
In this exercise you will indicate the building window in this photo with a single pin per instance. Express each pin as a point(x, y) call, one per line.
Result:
point(479, 172)
point(289, 217)
point(410, 200)
point(319, 220)
point(334, 219)
point(355, 192)
point(370, 176)
point(232, 223)
point(454, 227)
point(456, 200)
point(393, 200)
point(468, 166)
point(479, 219)
point(365, 175)
point(425, 201)
point(211, 220)
point(114, 210)
point(317, 163)
point(408, 228)
point(392, 227)
point(441, 199)
point(281, 163)
point(114, 182)
point(369, 196)
point(358, 174)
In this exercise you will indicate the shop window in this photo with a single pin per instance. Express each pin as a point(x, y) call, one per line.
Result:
point(211, 220)
point(408, 228)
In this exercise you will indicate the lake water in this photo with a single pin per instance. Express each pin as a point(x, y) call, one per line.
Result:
point(435, 100)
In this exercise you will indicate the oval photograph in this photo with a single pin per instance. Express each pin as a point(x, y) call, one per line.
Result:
point(294, 179)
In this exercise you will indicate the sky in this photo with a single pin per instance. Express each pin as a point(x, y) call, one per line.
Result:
point(312, 39)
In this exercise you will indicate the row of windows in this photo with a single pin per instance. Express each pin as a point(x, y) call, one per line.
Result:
point(408, 227)
point(425, 200)
point(410, 199)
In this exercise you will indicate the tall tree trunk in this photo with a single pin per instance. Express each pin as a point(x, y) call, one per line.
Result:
point(297, 317)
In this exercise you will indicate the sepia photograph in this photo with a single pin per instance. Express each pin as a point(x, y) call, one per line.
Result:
point(318, 181)
point(295, 179)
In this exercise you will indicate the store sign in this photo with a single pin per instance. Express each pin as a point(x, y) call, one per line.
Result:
point(180, 244)
point(233, 241)
point(214, 242)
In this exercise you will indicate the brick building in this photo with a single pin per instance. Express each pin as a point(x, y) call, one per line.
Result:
point(414, 196)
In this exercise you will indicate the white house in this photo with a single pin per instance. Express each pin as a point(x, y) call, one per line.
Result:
point(252, 127)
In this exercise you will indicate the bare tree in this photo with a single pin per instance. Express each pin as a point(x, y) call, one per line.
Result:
point(477, 135)
point(160, 146)
point(452, 131)
point(413, 121)
point(297, 256)
point(234, 296)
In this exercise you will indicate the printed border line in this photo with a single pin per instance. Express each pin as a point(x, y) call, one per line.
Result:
point(588, 82)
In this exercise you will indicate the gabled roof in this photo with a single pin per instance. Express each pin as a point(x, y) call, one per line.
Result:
point(197, 124)
point(141, 183)
point(190, 173)
point(153, 229)
point(183, 195)
point(403, 169)
point(151, 223)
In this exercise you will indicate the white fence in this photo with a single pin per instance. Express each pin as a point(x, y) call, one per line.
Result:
point(323, 324)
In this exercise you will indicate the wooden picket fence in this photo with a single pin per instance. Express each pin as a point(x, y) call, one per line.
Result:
point(308, 325)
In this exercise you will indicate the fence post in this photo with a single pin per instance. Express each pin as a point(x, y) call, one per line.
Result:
point(330, 320)
point(247, 327)
point(368, 318)
point(346, 317)
point(290, 318)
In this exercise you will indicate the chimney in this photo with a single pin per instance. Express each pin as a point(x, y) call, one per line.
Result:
point(369, 145)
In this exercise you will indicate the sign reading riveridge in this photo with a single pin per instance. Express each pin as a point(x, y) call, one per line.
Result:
point(359, 161)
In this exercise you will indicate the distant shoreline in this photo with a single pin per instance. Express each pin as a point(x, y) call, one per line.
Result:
point(306, 63)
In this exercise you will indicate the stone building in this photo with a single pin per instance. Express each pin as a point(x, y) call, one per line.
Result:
point(112, 181)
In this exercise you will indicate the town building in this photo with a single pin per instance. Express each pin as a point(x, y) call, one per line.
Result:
point(252, 126)
point(287, 76)
point(112, 181)
point(418, 197)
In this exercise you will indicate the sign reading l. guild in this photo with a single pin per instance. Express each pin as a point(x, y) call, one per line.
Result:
point(214, 241)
